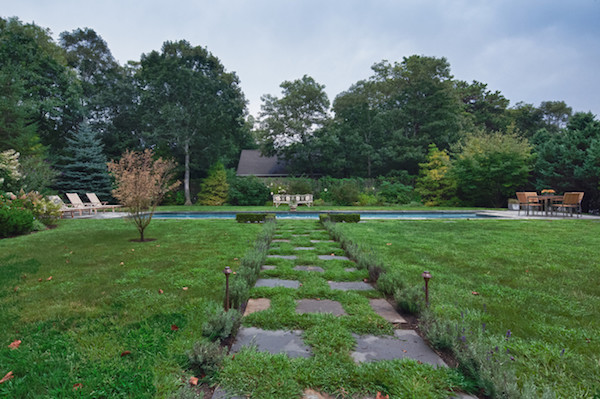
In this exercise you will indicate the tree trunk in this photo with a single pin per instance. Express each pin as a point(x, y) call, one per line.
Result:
point(186, 176)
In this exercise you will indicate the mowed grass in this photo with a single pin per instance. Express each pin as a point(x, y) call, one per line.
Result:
point(103, 300)
point(538, 279)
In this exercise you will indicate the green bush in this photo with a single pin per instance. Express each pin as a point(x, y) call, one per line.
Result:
point(15, 221)
point(174, 198)
point(253, 217)
point(206, 358)
point(396, 193)
point(222, 325)
point(299, 186)
point(390, 282)
point(247, 191)
point(345, 194)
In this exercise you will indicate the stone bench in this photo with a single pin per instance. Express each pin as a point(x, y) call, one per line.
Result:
point(291, 199)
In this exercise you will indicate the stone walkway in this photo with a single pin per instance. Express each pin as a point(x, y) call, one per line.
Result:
point(368, 348)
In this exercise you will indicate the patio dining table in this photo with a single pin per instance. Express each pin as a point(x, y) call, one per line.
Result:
point(548, 200)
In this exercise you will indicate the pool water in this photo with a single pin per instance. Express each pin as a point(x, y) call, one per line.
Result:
point(315, 215)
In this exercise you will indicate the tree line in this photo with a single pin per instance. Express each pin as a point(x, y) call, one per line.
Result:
point(68, 107)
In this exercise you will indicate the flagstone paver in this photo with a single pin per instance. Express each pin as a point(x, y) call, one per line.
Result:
point(310, 268)
point(304, 248)
point(220, 393)
point(319, 306)
point(404, 344)
point(257, 305)
point(276, 282)
point(268, 267)
point(384, 309)
point(280, 240)
point(331, 257)
point(289, 257)
point(316, 241)
point(278, 341)
point(350, 286)
point(350, 269)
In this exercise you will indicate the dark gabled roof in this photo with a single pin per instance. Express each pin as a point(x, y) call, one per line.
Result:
point(253, 163)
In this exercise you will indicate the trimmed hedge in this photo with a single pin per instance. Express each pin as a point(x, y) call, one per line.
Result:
point(253, 217)
point(15, 221)
point(339, 217)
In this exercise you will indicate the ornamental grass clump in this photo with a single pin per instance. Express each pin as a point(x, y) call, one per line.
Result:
point(222, 325)
point(142, 182)
point(206, 358)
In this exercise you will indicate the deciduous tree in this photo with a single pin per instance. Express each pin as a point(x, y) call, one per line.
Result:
point(141, 184)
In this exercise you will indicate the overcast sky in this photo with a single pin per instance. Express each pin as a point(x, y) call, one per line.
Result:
point(529, 50)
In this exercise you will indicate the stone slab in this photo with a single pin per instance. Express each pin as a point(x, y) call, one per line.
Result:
point(278, 341)
point(316, 241)
point(460, 395)
point(312, 394)
point(300, 235)
point(304, 248)
point(319, 306)
point(268, 267)
point(257, 305)
point(331, 257)
point(290, 257)
point(384, 309)
point(310, 268)
point(404, 344)
point(350, 286)
point(220, 393)
point(350, 269)
point(280, 240)
point(275, 282)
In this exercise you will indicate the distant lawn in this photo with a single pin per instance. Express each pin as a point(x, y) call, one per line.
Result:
point(538, 279)
point(103, 299)
point(302, 208)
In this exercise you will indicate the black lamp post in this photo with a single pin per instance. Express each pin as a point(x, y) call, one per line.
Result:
point(426, 276)
point(227, 272)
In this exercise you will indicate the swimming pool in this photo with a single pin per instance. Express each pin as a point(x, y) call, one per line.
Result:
point(315, 215)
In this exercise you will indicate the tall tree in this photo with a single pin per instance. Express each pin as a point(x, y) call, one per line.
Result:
point(84, 165)
point(50, 91)
point(288, 124)
point(193, 108)
point(486, 109)
point(556, 114)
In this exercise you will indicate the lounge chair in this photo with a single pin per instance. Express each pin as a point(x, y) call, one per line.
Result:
point(570, 202)
point(99, 204)
point(64, 208)
point(79, 204)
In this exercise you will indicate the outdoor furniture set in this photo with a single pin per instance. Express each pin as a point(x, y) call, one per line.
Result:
point(549, 203)
point(77, 205)
point(292, 200)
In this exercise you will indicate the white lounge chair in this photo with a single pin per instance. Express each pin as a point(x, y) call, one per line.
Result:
point(99, 204)
point(79, 204)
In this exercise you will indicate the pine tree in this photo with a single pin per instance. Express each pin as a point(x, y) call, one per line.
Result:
point(215, 187)
point(84, 169)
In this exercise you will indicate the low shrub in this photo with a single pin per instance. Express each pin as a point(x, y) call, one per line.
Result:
point(390, 282)
point(247, 191)
point(253, 217)
point(410, 299)
point(15, 221)
point(299, 185)
point(206, 358)
point(174, 198)
point(345, 194)
point(339, 217)
point(222, 325)
point(396, 193)
point(238, 292)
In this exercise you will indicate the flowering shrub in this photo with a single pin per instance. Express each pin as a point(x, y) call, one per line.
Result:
point(40, 207)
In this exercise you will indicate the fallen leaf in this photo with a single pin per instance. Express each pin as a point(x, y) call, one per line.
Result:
point(7, 377)
point(234, 273)
point(160, 291)
point(71, 252)
point(174, 327)
point(193, 381)
point(389, 243)
point(235, 258)
point(157, 245)
point(15, 344)
point(404, 350)
point(121, 263)
point(125, 353)
point(232, 357)
point(475, 293)
point(380, 396)
point(332, 254)
point(77, 386)
point(24, 276)
point(39, 279)
point(132, 250)
point(185, 288)
point(16, 289)
point(49, 278)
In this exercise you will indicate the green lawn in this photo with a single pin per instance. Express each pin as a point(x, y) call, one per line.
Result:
point(538, 279)
point(103, 299)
